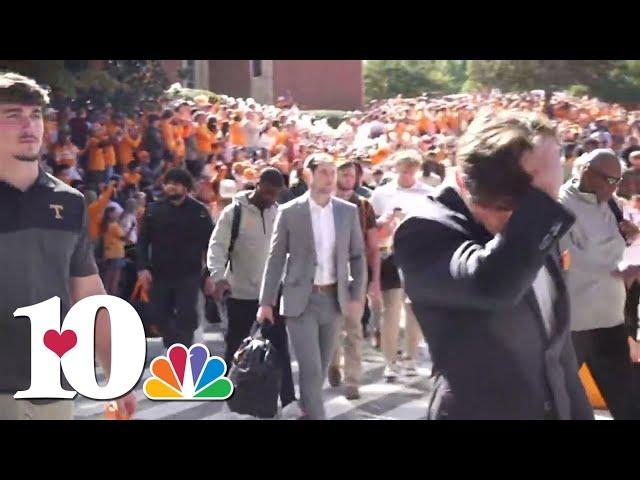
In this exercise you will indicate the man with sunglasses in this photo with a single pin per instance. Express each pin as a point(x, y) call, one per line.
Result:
point(596, 278)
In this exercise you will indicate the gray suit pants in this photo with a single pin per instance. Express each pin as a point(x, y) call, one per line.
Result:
point(314, 336)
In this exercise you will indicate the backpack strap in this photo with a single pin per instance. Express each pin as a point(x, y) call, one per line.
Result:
point(235, 230)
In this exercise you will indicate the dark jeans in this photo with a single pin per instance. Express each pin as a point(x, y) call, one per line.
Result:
point(175, 308)
point(606, 353)
point(242, 315)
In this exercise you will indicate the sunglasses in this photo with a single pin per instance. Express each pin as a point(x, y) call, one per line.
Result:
point(609, 179)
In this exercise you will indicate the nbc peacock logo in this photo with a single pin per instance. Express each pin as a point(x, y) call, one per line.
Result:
point(188, 374)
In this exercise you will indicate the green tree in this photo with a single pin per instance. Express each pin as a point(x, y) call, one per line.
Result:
point(516, 75)
point(410, 78)
point(123, 83)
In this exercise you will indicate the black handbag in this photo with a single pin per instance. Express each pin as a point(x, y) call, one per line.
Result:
point(256, 375)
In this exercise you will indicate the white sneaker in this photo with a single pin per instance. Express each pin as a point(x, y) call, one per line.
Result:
point(290, 412)
point(391, 372)
point(410, 369)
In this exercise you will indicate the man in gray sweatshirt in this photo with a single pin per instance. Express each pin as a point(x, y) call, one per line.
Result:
point(596, 278)
point(238, 274)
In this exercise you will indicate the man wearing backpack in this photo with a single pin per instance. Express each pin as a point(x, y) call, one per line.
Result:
point(238, 252)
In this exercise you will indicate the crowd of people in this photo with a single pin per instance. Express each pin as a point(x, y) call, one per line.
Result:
point(188, 180)
point(226, 145)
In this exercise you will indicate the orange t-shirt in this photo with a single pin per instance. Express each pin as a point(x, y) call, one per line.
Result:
point(236, 134)
point(181, 150)
point(113, 243)
point(132, 178)
point(126, 148)
point(95, 212)
point(187, 130)
point(424, 124)
point(96, 155)
point(110, 156)
point(441, 122)
point(166, 129)
point(380, 156)
point(454, 121)
point(204, 138)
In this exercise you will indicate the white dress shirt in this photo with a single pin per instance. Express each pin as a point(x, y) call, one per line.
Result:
point(324, 239)
point(546, 294)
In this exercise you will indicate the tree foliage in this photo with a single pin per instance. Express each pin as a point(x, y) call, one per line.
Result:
point(123, 83)
point(388, 78)
point(612, 80)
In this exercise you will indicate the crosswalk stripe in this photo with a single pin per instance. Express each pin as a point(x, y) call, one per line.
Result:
point(404, 399)
point(412, 410)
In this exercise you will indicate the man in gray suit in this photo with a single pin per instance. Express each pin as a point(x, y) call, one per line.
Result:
point(319, 238)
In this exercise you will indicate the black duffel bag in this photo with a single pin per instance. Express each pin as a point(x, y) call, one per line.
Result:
point(256, 375)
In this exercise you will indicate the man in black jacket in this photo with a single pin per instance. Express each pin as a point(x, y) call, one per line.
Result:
point(177, 230)
point(484, 273)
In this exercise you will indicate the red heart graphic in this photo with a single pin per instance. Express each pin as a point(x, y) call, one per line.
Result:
point(60, 343)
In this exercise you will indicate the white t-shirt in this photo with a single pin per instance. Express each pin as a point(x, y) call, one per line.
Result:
point(411, 201)
point(390, 196)
point(632, 252)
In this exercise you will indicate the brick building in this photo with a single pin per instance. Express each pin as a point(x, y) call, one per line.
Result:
point(313, 84)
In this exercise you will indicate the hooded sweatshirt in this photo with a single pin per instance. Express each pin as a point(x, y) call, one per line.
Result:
point(250, 251)
point(595, 248)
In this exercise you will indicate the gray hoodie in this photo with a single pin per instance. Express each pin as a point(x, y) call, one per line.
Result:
point(250, 251)
point(595, 248)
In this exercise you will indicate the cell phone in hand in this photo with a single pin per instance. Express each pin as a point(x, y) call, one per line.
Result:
point(398, 213)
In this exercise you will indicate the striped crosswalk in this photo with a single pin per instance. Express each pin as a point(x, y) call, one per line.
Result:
point(404, 398)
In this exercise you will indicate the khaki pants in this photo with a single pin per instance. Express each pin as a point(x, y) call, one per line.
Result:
point(393, 300)
point(12, 409)
point(352, 350)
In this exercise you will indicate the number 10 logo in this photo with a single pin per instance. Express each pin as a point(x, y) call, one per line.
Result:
point(72, 348)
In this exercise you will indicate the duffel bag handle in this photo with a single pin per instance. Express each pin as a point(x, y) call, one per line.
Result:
point(256, 330)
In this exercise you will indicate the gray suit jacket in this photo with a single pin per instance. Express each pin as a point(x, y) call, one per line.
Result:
point(292, 244)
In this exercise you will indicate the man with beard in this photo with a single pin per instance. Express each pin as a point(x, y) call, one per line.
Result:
point(347, 181)
point(177, 230)
point(45, 250)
